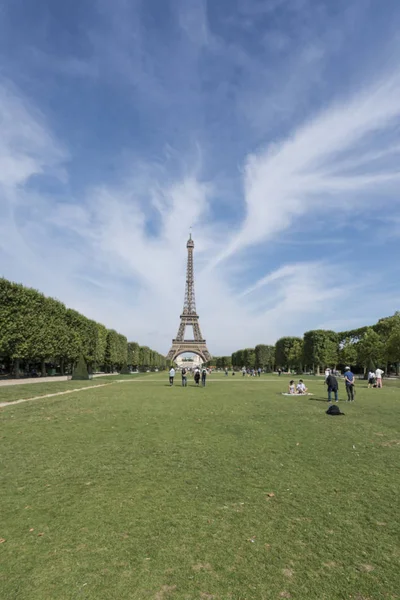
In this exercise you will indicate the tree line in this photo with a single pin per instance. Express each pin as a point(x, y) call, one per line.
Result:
point(38, 330)
point(261, 356)
point(363, 348)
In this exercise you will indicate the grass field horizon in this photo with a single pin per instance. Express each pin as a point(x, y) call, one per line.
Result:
point(138, 490)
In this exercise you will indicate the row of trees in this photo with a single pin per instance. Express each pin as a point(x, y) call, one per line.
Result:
point(144, 357)
point(35, 329)
point(363, 348)
point(261, 356)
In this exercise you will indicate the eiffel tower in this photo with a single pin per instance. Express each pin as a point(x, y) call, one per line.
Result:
point(189, 316)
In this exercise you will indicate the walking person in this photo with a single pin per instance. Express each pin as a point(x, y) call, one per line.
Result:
point(203, 377)
point(378, 377)
point(197, 376)
point(371, 379)
point(279, 371)
point(259, 371)
point(333, 386)
point(171, 376)
point(349, 381)
point(184, 377)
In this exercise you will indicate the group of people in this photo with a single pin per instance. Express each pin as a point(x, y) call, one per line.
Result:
point(300, 388)
point(251, 372)
point(197, 376)
point(375, 379)
point(333, 385)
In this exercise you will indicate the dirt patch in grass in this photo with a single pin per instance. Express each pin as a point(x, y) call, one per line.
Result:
point(288, 572)
point(367, 568)
point(165, 591)
point(202, 567)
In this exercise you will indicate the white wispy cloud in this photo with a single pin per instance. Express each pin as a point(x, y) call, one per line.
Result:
point(26, 146)
point(310, 171)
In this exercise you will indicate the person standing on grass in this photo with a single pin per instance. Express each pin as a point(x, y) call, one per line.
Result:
point(259, 371)
point(279, 371)
point(371, 379)
point(378, 376)
point(244, 371)
point(171, 376)
point(184, 377)
point(333, 386)
point(197, 376)
point(203, 377)
point(349, 381)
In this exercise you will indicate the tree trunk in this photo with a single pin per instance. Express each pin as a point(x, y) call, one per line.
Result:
point(43, 367)
point(62, 366)
point(318, 370)
point(16, 368)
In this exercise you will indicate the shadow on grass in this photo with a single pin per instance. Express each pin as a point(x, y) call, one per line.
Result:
point(315, 399)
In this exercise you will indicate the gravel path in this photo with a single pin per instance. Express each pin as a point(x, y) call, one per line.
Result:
point(82, 389)
point(90, 387)
point(22, 381)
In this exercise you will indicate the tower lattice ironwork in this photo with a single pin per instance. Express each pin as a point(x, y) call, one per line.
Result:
point(189, 317)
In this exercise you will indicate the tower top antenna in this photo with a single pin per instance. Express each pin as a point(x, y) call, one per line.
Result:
point(190, 243)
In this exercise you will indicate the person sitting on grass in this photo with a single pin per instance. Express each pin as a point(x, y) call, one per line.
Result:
point(292, 388)
point(301, 388)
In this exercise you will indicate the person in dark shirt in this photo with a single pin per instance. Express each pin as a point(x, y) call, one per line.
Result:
point(184, 377)
point(333, 386)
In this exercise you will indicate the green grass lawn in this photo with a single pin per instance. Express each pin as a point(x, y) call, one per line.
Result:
point(9, 393)
point(141, 491)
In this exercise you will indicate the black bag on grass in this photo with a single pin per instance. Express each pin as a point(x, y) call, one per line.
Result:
point(334, 410)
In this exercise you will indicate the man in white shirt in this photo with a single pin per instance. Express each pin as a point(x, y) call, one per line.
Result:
point(301, 388)
point(171, 376)
point(378, 375)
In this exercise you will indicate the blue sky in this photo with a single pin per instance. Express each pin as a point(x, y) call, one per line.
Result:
point(271, 127)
